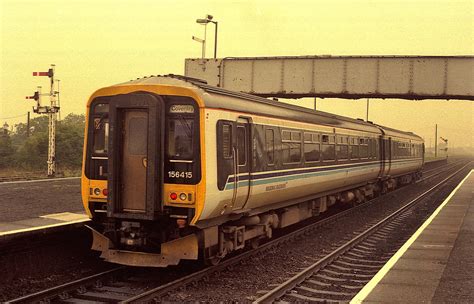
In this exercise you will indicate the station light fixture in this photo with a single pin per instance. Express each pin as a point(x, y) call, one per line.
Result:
point(205, 22)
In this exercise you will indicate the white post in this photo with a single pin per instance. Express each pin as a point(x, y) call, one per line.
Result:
point(52, 129)
point(204, 42)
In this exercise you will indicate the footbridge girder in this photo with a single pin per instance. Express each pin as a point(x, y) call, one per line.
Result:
point(352, 77)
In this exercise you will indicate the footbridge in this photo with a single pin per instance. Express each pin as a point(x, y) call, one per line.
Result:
point(352, 77)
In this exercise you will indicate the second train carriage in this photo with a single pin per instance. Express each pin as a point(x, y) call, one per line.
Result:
point(174, 168)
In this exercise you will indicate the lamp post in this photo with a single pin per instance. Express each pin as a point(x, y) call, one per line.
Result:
point(205, 22)
point(367, 114)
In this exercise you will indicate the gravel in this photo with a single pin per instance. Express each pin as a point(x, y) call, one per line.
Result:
point(56, 261)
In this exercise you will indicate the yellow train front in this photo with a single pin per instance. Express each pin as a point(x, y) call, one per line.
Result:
point(174, 169)
point(134, 133)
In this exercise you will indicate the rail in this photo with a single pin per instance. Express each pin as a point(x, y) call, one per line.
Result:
point(62, 291)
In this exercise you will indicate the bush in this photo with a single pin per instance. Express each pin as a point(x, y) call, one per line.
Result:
point(31, 153)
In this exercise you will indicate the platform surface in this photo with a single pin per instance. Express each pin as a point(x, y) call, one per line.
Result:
point(42, 222)
point(27, 206)
point(436, 265)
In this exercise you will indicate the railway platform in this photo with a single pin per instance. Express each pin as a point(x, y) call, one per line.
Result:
point(436, 264)
point(43, 223)
point(39, 207)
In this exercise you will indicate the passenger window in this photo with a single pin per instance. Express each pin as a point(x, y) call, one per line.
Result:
point(363, 151)
point(328, 151)
point(296, 136)
point(363, 148)
point(227, 141)
point(342, 152)
point(342, 140)
point(311, 152)
point(291, 152)
point(242, 145)
point(291, 146)
point(137, 143)
point(270, 146)
point(353, 152)
point(372, 148)
point(311, 137)
point(285, 135)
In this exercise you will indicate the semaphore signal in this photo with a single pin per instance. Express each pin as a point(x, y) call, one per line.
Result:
point(51, 110)
point(35, 96)
point(43, 73)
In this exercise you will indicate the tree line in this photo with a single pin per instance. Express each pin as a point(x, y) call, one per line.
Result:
point(20, 151)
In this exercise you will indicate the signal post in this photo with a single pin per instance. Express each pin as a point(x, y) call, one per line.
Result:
point(51, 110)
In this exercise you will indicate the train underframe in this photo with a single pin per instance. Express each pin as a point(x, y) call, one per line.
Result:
point(165, 242)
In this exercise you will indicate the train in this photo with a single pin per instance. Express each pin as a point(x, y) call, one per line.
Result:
point(175, 169)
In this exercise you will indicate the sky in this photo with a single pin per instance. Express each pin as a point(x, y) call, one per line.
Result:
point(103, 42)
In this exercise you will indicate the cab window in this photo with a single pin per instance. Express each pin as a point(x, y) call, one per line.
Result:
point(100, 127)
point(180, 137)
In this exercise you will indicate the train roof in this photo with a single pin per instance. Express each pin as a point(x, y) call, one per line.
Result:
point(237, 101)
point(394, 132)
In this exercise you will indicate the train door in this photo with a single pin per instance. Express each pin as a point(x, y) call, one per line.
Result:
point(134, 156)
point(241, 164)
point(381, 144)
point(423, 153)
point(388, 155)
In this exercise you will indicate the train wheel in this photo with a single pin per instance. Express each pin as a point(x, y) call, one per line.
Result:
point(255, 243)
point(213, 261)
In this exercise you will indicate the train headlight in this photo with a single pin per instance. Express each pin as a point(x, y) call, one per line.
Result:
point(179, 197)
point(97, 191)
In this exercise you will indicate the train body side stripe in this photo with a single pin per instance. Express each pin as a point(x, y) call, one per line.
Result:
point(293, 175)
point(282, 176)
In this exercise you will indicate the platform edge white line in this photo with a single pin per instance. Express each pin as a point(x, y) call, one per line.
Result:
point(39, 180)
point(364, 292)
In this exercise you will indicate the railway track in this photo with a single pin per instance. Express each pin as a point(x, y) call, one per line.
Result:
point(341, 274)
point(79, 287)
point(434, 171)
point(125, 285)
point(13, 178)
